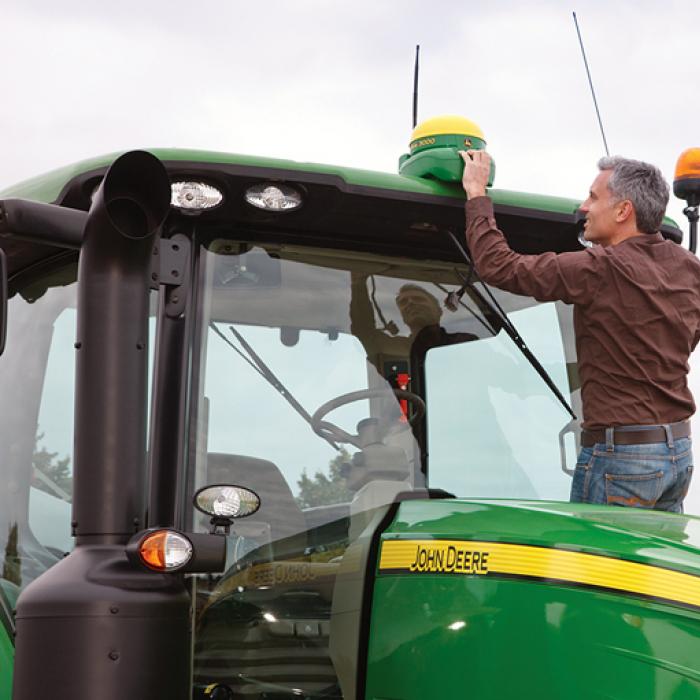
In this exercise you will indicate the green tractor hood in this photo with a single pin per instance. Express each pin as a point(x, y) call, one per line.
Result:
point(535, 600)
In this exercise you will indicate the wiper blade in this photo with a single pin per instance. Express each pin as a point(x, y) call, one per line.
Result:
point(510, 329)
point(257, 363)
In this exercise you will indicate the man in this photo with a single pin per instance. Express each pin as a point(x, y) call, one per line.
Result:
point(636, 304)
point(419, 310)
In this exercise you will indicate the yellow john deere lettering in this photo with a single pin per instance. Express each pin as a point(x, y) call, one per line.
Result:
point(456, 558)
point(544, 563)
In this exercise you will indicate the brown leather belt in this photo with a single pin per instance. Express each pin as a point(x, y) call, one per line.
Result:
point(624, 435)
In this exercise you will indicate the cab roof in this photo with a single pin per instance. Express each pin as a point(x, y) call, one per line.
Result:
point(345, 207)
point(49, 186)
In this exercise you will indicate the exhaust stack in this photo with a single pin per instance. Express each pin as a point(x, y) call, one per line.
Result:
point(101, 627)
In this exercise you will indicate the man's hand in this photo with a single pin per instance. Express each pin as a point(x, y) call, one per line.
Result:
point(477, 167)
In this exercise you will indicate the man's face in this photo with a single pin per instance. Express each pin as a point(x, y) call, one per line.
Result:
point(418, 308)
point(601, 211)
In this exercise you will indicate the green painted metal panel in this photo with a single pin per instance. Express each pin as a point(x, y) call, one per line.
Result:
point(504, 636)
point(634, 534)
point(459, 637)
point(7, 655)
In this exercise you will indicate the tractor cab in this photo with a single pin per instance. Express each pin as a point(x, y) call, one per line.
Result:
point(314, 337)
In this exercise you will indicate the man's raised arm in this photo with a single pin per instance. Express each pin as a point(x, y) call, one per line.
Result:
point(570, 277)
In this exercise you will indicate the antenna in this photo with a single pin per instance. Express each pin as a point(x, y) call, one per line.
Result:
point(590, 82)
point(415, 87)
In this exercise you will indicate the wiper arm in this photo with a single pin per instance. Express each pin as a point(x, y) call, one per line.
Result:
point(257, 363)
point(453, 301)
point(510, 329)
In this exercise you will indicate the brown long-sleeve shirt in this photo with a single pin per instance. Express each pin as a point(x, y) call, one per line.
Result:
point(636, 316)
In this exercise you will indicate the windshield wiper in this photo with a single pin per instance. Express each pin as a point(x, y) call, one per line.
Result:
point(257, 363)
point(509, 328)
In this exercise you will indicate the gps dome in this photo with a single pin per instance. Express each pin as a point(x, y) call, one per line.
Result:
point(434, 148)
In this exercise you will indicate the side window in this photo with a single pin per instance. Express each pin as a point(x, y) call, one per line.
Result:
point(493, 424)
point(36, 383)
point(52, 463)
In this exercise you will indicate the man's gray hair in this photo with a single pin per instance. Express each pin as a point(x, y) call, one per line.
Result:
point(643, 185)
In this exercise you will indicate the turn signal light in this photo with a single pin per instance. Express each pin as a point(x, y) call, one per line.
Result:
point(165, 550)
point(168, 551)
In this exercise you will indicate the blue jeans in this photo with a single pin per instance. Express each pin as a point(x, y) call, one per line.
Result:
point(655, 475)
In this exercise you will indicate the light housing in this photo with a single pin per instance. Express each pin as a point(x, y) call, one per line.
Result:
point(165, 550)
point(194, 196)
point(686, 179)
point(686, 185)
point(168, 551)
point(187, 195)
point(274, 196)
point(226, 501)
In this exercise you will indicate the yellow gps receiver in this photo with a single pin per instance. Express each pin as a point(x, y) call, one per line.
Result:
point(435, 145)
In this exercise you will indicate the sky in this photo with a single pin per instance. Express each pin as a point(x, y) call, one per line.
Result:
point(330, 81)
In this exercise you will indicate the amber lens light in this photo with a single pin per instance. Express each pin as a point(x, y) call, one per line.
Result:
point(686, 182)
point(688, 164)
point(165, 550)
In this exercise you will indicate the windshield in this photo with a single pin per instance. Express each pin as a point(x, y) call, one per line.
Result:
point(329, 382)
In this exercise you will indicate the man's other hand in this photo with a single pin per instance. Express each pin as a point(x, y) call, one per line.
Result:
point(477, 166)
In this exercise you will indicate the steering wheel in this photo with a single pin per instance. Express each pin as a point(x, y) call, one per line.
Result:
point(328, 430)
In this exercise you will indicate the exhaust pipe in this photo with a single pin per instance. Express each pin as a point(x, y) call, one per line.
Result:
point(112, 348)
point(100, 627)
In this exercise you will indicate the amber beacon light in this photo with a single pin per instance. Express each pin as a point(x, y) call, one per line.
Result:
point(686, 186)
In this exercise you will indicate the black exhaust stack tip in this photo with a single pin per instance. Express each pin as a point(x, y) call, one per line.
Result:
point(134, 195)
